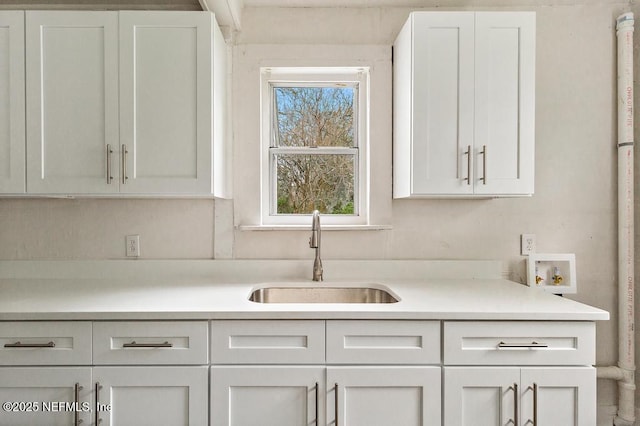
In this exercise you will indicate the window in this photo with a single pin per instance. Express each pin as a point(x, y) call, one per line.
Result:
point(314, 145)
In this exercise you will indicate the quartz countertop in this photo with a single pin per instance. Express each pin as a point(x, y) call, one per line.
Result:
point(103, 294)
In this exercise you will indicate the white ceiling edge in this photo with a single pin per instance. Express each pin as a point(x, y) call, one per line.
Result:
point(228, 12)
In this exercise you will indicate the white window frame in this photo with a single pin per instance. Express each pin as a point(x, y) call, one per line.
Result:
point(315, 77)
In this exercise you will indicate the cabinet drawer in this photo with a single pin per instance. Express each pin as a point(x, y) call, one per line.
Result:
point(144, 342)
point(383, 342)
point(519, 343)
point(267, 342)
point(45, 343)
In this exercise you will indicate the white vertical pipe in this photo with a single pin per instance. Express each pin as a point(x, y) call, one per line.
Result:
point(626, 350)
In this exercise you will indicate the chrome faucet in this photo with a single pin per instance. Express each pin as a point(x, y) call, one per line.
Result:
point(314, 242)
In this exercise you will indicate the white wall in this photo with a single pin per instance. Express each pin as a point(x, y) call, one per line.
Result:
point(573, 209)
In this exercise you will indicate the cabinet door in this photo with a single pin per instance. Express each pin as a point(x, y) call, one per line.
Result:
point(505, 102)
point(165, 102)
point(72, 101)
point(133, 396)
point(48, 396)
point(382, 396)
point(481, 396)
point(267, 396)
point(559, 396)
point(12, 118)
point(442, 123)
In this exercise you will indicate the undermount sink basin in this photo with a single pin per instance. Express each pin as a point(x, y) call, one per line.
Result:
point(321, 294)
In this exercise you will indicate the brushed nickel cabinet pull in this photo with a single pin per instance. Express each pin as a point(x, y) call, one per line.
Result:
point(125, 177)
point(147, 345)
point(97, 406)
point(76, 415)
point(515, 404)
point(484, 164)
point(30, 345)
point(335, 408)
point(468, 154)
point(317, 404)
point(109, 174)
point(535, 404)
point(532, 345)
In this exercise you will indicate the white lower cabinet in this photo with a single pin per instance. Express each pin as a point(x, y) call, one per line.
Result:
point(133, 396)
point(117, 396)
point(520, 373)
point(358, 373)
point(267, 395)
point(341, 395)
point(150, 373)
point(298, 372)
point(382, 396)
point(488, 396)
point(45, 396)
point(53, 377)
point(559, 395)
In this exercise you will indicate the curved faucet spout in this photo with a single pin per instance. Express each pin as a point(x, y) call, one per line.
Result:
point(315, 243)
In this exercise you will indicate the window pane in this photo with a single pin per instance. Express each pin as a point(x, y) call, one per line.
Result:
point(314, 116)
point(315, 182)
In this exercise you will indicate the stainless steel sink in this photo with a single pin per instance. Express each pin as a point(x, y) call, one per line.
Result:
point(321, 295)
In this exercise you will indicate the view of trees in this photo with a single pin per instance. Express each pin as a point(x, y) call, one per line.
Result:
point(310, 118)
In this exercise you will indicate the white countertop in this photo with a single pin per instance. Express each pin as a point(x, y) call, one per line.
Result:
point(92, 296)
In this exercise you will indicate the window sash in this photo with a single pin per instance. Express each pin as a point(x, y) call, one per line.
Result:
point(273, 181)
point(275, 148)
point(275, 129)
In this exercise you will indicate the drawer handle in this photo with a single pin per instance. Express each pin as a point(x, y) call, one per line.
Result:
point(533, 345)
point(147, 345)
point(30, 345)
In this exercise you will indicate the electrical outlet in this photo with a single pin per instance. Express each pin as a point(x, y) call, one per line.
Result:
point(527, 244)
point(133, 245)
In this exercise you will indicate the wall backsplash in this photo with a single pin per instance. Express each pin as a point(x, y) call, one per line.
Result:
point(96, 228)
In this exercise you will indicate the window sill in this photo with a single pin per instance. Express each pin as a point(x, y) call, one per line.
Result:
point(308, 227)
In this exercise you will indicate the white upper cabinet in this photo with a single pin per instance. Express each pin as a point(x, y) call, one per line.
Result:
point(505, 102)
point(464, 104)
point(72, 102)
point(165, 101)
point(125, 102)
point(12, 137)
